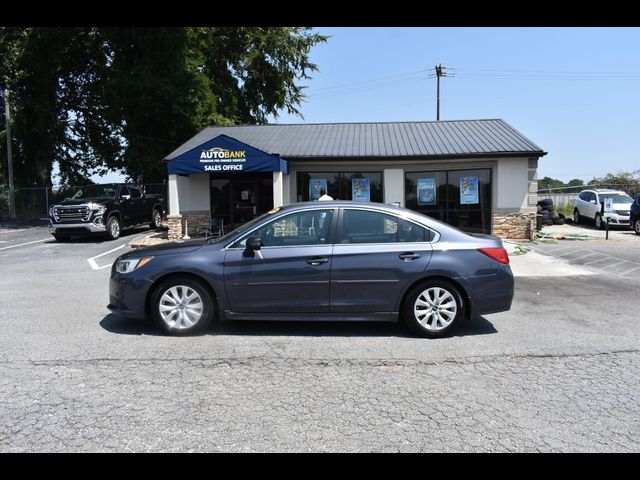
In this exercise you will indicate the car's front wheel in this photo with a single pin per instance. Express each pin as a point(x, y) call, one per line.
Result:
point(636, 226)
point(433, 309)
point(599, 222)
point(182, 306)
point(113, 228)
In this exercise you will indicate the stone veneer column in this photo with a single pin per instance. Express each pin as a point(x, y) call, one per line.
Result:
point(516, 226)
point(174, 222)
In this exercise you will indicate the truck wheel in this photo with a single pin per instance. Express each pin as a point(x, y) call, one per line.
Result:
point(156, 219)
point(182, 306)
point(61, 238)
point(113, 228)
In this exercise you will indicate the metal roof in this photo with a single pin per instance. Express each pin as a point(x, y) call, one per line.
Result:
point(452, 138)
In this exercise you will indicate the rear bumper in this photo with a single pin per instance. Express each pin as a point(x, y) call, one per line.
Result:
point(492, 293)
point(76, 228)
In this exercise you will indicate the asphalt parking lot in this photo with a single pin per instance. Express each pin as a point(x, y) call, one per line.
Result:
point(559, 372)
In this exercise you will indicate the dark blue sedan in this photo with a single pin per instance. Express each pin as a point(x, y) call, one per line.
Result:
point(319, 261)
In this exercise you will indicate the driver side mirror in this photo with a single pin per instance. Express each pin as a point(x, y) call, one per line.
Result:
point(253, 244)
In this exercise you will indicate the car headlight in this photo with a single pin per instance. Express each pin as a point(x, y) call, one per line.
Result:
point(131, 264)
point(98, 209)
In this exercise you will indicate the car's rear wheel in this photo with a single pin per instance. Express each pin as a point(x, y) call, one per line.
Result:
point(577, 218)
point(433, 309)
point(157, 219)
point(182, 306)
point(636, 226)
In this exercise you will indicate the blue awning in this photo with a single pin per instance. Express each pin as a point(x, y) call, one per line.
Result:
point(224, 154)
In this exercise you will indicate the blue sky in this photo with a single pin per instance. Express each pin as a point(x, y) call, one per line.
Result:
point(573, 91)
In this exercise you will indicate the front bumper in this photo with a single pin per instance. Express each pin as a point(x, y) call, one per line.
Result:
point(128, 295)
point(76, 228)
point(616, 219)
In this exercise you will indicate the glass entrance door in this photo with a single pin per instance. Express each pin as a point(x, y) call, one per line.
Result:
point(236, 199)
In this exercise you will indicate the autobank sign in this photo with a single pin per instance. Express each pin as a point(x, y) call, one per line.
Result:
point(218, 159)
point(224, 154)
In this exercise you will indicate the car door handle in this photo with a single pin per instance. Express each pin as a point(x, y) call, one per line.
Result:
point(317, 261)
point(408, 256)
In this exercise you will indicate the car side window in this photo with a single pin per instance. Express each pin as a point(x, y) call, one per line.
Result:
point(124, 192)
point(359, 226)
point(584, 196)
point(135, 192)
point(310, 227)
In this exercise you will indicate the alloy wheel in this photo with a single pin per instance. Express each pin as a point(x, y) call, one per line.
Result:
point(181, 307)
point(435, 309)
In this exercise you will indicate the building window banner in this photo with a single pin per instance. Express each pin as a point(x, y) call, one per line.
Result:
point(426, 191)
point(469, 190)
point(315, 186)
point(360, 190)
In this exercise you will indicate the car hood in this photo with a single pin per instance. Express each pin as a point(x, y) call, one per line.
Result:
point(167, 248)
point(80, 201)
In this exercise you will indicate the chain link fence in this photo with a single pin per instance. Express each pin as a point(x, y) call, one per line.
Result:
point(32, 203)
point(567, 195)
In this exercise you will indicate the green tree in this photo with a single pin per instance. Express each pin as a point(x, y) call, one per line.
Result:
point(548, 182)
point(95, 99)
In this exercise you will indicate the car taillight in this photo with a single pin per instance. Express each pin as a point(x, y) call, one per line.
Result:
point(499, 254)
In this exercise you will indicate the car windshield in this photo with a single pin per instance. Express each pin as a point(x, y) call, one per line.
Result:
point(616, 197)
point(96, 191)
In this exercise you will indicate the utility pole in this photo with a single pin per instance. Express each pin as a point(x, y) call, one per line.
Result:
point(439, 73)
point(7, 116)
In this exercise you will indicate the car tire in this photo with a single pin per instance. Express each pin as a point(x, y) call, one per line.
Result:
point(182, 305)
point(577, 218)
point(548, 208)
point(547, 222)
point(442, 305)
point(156, 221)
point(636, 226)
point(61, 238)
point(113, 228)
point(545, 202)
point(599, 223)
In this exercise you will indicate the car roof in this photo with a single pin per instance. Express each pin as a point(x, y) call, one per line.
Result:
point(604, 190)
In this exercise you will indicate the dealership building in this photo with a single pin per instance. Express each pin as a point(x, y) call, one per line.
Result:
point(478, 175)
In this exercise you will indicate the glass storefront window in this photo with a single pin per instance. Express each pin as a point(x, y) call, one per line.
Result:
point(359, 186)
point(461, 198)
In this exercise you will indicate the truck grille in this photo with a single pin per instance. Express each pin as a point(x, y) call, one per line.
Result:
point(80, 213)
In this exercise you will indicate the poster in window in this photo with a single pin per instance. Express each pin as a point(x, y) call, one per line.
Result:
point(426, 191)
point(468, 190)
point(360, 190)
point(315, 186)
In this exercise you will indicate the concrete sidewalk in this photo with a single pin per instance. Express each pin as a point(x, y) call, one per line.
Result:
point(525, 262)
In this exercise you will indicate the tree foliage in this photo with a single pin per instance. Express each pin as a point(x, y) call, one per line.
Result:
point(98, 99)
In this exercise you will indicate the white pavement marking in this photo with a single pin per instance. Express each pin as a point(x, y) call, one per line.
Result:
point(27, 243)
point(92, 260)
